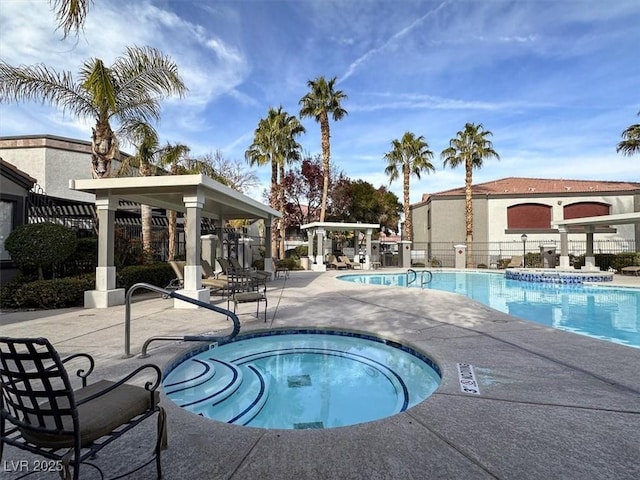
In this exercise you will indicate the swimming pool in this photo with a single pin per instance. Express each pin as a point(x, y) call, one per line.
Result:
point(607, 313)
point(301, 379)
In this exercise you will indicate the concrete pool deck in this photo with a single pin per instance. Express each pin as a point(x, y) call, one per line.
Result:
point(552, 404)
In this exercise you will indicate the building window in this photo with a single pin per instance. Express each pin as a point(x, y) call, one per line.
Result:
point(585, 209)
point(6, 226)
point(529, 216)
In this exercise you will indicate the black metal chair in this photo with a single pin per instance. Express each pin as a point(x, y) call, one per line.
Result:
point(43, 414)
point(242, 289)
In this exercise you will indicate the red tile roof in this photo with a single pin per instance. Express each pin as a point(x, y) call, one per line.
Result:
point(529, 186)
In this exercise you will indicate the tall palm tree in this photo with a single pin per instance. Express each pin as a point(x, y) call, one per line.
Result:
point(469, 148)
point(70, 14)
point(410, 154)
point(275, 143)
point(323, 100)
point(631, 140)
point(129, 92)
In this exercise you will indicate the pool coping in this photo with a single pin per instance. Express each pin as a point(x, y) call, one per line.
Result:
point(552, 404)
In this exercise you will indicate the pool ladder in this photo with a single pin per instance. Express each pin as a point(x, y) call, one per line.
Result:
point(213, 339)
point(412, 277)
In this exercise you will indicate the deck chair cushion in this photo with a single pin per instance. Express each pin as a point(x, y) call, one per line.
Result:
point(100, 416)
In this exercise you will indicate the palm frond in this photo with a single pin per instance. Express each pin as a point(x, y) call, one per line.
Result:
point(40, 83)
point(70, 14)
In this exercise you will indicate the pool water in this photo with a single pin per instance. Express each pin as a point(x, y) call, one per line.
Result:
point(302, 380)
point(606, 312)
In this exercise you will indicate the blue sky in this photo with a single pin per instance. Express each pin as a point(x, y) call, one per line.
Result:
point(556, 81)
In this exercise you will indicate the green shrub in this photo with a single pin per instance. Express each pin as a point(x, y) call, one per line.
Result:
point(51, 294)
point(627, 259)
point(40, 245)
point(158, 274)
point(290, 263)
point(258, 264)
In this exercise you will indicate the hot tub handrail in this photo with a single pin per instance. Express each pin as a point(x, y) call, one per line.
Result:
point(415, 276)
point(187, 338)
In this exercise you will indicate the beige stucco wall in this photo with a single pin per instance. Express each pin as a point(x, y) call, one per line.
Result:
point(490, 218)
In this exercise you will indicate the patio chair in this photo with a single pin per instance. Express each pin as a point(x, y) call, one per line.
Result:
point(211, 279)
point(279, 268)
point(228, 270)
point(42, 413)
point(241, 289)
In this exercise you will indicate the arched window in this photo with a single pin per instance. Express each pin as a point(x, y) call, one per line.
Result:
point(529, 216)
point(585, 209)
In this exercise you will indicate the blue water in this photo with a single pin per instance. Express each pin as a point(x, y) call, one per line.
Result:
point(607, 313)
point(301, 380)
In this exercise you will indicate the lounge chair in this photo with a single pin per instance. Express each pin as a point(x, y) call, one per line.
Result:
point(632, 270)
point(516, 261)
point(211, 279)
point(344, 259)
point(228, 270)
point(332, 262)
point(178, 269)
point(262, 275)
point(43, 414)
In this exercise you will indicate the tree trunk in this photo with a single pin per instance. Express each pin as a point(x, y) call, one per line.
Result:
point(468, 207)
point(145, 215)
point(326, 154)
point(273, 202)
point(104, 147)
point(172, 218)
point(281, 202)
point(408, 221)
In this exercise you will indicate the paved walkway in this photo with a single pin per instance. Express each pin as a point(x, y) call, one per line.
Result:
point(552, 405)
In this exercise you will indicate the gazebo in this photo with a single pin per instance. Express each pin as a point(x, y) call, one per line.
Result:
point(589, 224)
point(197, 196)
point(320, 229)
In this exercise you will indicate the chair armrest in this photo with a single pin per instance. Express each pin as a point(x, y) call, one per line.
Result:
point(81, 372)
point(151, 386)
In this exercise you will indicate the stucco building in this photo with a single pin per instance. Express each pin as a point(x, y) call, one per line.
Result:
point(505, 209)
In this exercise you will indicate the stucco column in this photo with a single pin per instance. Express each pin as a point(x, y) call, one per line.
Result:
point(310, 234)
point(589, 258)
point(106, 294)
point(564, 247)
point(319, 265)
point(268, 260)
point(192, 269)
point(367, 242)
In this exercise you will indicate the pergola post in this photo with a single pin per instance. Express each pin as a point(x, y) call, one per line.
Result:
point(589, 258)
point(368, 259)
point(193, 270)
point(268, 259)
point(564, 247)
point(319, 265)
point(106, 294)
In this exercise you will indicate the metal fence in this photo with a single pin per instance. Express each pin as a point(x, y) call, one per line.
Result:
point(490, 254)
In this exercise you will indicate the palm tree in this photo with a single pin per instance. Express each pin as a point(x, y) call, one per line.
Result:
point(319, 103)
point(70, 14)
point(149, 160)
point(129, 92)
point(275, 143)
point(469, 148)
point(631, 142)
point(412, 155)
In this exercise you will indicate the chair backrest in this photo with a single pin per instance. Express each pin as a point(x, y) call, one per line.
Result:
point(207, 269)
point(178, 268)
point(37, 395)
point(235, 263)
point(225, 265)
point(516, 261)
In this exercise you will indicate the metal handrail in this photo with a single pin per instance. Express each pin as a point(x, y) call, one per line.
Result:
point(186, 338)
point(423, 282)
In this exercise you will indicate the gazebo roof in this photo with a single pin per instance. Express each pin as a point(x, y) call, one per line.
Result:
point(220, 201)
point(340, 226)
point(616, 219)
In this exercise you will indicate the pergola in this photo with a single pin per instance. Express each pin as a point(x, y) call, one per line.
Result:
point(590, 224)
point(320, 229)
point(197, 196)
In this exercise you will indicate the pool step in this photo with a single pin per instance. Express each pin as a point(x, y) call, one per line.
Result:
point(196, 392)
point(245, 402)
